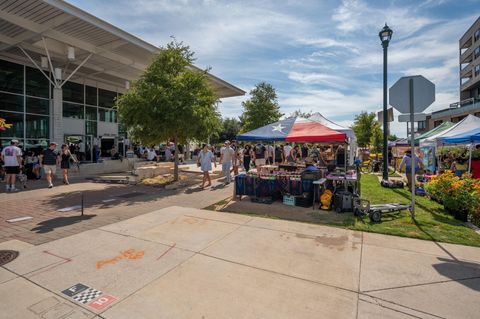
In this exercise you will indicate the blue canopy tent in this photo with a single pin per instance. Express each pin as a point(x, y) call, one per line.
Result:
point(470, 137)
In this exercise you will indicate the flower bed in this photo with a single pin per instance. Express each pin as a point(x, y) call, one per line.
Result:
point(459, 196)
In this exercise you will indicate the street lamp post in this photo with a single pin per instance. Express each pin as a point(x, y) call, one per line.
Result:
point(385, 36)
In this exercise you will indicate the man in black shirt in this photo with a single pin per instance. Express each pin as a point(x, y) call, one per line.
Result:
point(49, 160)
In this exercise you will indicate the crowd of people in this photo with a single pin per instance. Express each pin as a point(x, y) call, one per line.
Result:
point(29, 165)
point(232, 156)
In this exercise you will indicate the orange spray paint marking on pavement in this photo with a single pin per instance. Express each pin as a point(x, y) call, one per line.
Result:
point(131, 254)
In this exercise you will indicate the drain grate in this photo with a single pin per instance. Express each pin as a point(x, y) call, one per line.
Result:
point(130, 195)
point(7, 256)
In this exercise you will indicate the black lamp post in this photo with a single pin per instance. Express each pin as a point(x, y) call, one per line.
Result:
point(385, 36)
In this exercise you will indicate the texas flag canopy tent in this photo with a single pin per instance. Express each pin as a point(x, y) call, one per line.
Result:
point(294, 129)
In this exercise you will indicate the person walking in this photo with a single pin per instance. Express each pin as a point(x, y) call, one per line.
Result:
point(407, 162)
point(12, 157)
point(66, 157)
point(49, 160)
point(81, 150)
point(226, 157)
point(204, 161)
point(260, 154)
point(247, 157)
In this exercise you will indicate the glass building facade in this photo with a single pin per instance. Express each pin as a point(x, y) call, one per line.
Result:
point(25, 102)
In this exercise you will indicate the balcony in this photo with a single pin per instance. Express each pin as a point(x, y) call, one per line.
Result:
point(467, 56)
point(466, 72)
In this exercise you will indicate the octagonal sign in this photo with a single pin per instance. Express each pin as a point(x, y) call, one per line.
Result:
point(423, 94)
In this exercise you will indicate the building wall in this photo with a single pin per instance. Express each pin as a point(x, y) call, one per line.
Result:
point(26, 102)
point(469, 46)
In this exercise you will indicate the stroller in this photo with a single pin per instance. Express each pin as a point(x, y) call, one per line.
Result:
point(22, 178)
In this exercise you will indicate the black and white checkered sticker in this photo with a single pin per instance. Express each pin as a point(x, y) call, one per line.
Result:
point(87, 295)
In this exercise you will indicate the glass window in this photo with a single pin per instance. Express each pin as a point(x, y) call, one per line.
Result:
point(73, 92)
point(476, 53)
point(91, 113)
point(91, 128)
point(11, 102)
point(36, 145)
point(74, 111)
point(37, 126)
point(477, 34)
point(16, 119)
point(91, 95)
point(106, 98)
point(477, 69)
point(38, 106)
point(36, 84)
point(107, 115)
point(11, 77)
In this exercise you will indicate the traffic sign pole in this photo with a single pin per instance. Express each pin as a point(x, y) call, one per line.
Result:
point(412, 143)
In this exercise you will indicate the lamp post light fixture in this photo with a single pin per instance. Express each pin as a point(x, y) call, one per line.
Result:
point(385, 36)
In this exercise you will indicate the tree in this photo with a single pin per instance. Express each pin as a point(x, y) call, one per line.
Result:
point(362, 127)
point(230, 129)
point(392, 138)
point(261, 109)
point(376, 140)
point(171, 101)
point(300, 113)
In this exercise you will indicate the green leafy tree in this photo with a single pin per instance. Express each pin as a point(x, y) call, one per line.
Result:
point(362, 127)
point(392, 138)
point(261, 109)
point(230, 129)
point(300, 113)
point(376, 140)
point(171, 101)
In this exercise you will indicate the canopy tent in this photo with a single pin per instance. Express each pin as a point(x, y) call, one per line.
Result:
point(472, 136)
point(436, 130)
point(294, 129)
point(465, 126)
point(352, 139)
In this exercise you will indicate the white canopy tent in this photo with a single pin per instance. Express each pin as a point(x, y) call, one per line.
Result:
point(352, 139)
point(466, 125)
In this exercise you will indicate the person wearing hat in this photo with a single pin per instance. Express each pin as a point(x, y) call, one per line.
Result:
point(227, 154)
point(12, 157)
point(310, 165)
point(49, 160)
point(407, 163)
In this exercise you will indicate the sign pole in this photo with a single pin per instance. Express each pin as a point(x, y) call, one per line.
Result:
point(412, 143)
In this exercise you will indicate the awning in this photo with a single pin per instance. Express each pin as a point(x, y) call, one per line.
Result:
point(116, 56)
point(294, 129)
point(467, 126)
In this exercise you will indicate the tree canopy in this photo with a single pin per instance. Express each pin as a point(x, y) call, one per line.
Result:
point(171, 101)
point(376, 141)
point(363, 128)
point(230, 129)
point(261, 108)
point(300, 113)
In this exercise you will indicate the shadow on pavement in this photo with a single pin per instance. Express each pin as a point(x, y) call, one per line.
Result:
point(57, 222)
point(468, 272)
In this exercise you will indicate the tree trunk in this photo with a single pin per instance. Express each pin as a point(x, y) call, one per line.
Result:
point(175, 166)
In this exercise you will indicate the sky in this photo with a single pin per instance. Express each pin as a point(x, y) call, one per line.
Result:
point(320, 55)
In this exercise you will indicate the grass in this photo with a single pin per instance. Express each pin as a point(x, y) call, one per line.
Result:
point(431, 221)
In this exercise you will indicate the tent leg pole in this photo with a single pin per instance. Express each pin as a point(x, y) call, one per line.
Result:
point(470, 159)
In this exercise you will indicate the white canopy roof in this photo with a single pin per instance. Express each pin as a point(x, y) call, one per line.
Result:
point(468, 124)
point(317, 117)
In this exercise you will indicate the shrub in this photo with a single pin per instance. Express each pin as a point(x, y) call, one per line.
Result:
point(458, 195)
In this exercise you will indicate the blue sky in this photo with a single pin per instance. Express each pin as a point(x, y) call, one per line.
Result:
point(321, 56)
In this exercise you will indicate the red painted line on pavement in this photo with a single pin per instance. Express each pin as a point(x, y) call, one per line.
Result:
point(167, 251)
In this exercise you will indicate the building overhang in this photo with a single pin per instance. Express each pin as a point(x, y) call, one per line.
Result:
point(116, 56)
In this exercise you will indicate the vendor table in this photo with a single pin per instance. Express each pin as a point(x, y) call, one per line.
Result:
point(270, 186)
point(345, 180)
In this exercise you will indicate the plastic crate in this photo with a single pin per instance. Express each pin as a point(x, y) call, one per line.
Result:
point(289, 200)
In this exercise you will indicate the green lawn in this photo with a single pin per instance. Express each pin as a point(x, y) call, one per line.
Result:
point(431, 221)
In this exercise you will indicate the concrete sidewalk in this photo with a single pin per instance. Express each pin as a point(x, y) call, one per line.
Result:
point(189, 263)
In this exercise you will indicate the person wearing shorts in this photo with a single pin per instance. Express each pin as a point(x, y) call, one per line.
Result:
point(12, 157)
point(49, 161)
